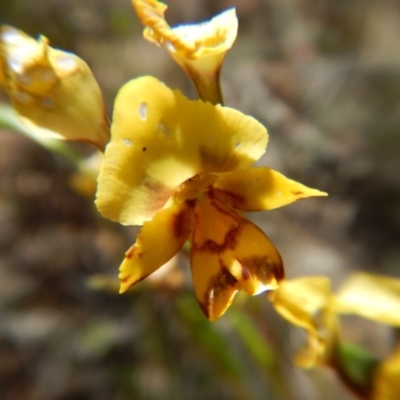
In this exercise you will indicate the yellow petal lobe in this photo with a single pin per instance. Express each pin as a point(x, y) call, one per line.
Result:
point(228, 254)
point(160, 139)
point(158, 241)
point(257, 189)
point(214, 285)
point(253, 260)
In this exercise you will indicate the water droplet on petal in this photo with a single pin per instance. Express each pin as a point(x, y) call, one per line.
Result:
point(127, 142)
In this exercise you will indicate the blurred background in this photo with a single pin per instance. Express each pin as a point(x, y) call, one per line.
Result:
point(324, 78)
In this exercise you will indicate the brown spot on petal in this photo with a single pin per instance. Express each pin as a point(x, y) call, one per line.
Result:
point(130, 253)
point(297, 193)
point(124, 280)
point(133, 252)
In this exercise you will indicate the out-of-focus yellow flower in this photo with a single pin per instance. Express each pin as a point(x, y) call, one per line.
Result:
point(386, 379)
point(307, 302)
point(53, 92)
point(371, 296)
point(84, 180)
point(198, 48)
point(182, 169)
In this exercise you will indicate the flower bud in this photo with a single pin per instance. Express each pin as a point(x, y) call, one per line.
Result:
point(53, 91)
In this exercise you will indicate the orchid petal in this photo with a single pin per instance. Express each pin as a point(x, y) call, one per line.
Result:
point(257, 189)
point(158, 241)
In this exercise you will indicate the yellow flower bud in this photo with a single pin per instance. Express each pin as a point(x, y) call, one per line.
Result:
point(53, 92)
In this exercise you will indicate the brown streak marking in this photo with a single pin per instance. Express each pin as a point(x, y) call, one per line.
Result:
point(229, 243)
point(180, 224)
point(222, 209)
point(207, 158)
point(236, 198)
point(297, 193)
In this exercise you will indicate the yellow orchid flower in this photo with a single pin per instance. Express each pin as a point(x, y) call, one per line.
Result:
point(53, 92)
point(309, 303)
point(198, 48)
point(182, 169)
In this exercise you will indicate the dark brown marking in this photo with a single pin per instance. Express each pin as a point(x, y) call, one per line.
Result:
point(230, 242)
point(297, 193)
point(217, 286)
point(191, 203)
point(263, 267)
point(245, 273)
point(124, 280)
point(144, 149)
